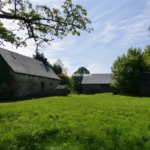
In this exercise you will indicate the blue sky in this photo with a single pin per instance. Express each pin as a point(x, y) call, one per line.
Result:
point(118, 25)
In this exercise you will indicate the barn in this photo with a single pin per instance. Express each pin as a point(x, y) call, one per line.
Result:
point(97, 83)
point(26, 76)
point(144, 84)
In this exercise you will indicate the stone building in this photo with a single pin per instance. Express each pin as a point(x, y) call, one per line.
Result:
point(27, 76)
point(97, 83)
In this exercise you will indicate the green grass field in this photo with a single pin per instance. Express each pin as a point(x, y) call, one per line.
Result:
point(76, 122)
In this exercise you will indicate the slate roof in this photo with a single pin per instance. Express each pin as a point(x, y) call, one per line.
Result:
point(26, 65)
point(144, 78)
point(97, 79)
point(60, 87)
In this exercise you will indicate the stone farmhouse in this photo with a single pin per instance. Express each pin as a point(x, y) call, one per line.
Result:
point(97, 83)
point(28, 76)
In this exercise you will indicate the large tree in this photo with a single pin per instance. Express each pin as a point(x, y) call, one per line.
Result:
point(146, 57)
point(58, 67)
point(127, 69)
point(77, 79)
point(40, 23)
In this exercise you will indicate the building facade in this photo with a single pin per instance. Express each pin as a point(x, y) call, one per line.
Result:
point(27, 76)
point(97, 83)
point(144, 84)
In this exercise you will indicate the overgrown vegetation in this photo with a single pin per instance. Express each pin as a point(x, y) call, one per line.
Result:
point(76, 122)
point(127, 69)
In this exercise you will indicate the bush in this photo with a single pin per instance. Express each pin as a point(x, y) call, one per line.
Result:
point(4, 92)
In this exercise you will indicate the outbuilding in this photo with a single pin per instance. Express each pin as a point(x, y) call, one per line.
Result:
point(144, 84)
point(61, 90)
point(97, 83)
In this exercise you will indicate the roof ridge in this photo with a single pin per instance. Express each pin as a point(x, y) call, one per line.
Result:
point(19, 54)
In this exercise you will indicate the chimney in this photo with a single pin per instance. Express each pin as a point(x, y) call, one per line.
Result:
point(45, 61)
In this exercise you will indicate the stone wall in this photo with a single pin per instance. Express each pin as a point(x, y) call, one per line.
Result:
point(93, 88)
point(26, 85)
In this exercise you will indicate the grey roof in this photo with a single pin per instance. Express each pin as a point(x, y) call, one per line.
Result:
point(60, 87)
point(26, 65)
point(144, 78)
point(97, 79)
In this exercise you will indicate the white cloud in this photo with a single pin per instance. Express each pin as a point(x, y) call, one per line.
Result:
point(106, 34)
point(98, 68)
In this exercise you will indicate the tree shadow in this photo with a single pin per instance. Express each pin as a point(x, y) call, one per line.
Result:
point(66, 139)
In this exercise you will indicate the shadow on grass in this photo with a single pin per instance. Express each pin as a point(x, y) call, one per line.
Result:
point(65, 139)
point(13, 100)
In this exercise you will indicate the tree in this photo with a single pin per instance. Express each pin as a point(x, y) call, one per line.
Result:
point(58, 67)
point(77, 79)
point(61, 71)
point(146, 57)
point(41, 21)
point(127, 69)
point(41, 57)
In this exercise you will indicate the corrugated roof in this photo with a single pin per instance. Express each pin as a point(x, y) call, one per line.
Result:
point(97, 79)
point(144, 78)
point(60, 87)
point(26, 65)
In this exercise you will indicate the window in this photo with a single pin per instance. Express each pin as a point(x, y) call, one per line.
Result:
point(51, 85)
point(14, 56)
point(30, 85)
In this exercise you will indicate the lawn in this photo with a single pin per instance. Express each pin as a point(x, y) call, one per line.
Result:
point(76, 122)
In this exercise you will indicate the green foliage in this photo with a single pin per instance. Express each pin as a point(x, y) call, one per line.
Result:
point(146, 57)
point(4, 92)
point(91, 122)
point(126, 70)
point(38, 55)
point(66, 80)
point(41, 57)
point(42, 23)
point(77, 79)
point(58, 67)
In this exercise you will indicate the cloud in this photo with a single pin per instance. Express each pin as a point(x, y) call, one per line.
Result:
point(106, 34)
point(101, 15)
point(98, 68)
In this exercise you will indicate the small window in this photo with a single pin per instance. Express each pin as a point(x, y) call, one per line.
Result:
point(14, 56)
point(30, 85)
point(51, 85)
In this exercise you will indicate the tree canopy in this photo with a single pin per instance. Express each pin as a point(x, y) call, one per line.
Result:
point(77, 79)
point(146, 56)
point(41, 23)
point(126, 70)
point(58, 67)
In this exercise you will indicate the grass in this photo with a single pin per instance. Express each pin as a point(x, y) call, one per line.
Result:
point(76, 122)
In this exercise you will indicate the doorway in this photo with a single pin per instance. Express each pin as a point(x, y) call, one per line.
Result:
point(42, 88)
point(105, 87)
